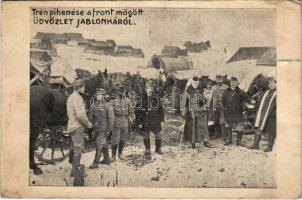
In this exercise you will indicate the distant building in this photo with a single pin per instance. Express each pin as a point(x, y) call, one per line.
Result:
point(173, 51)
point(84, 43)
point(73, 36)
point(138, 53)
point(56, 38)
point(111, 43)
point(197, 47)
point(100, 47)
point(262, 55)
point(124, 50)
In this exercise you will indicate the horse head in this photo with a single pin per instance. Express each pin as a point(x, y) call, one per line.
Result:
point(259, 84)
point(203, 81)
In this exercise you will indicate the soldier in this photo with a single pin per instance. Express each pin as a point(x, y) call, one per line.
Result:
point(102, 115)
point(232, 101)
point(124, 116)
point(216, 105)
point(195, 114)
point(152, 117)
point(266, 117)
point(77, 122)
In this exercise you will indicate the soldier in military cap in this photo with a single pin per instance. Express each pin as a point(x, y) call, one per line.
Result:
point(216, 106)
point(77, 122)
point(124, 115)
point(152, 117)
point(102, 115)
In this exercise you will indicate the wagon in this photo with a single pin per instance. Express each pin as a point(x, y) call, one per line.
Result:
point(52, 145)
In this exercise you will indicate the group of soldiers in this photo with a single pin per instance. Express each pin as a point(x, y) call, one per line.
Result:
point(220, 107)
point(218, 104)
point(110, 117)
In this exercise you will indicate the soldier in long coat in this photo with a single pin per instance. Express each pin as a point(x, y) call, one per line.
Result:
point(192, 108)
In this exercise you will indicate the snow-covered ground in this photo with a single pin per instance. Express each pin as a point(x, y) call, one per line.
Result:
point(180, 166)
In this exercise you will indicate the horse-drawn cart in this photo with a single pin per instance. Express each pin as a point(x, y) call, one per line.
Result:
point(52, 145)
point(49, 142)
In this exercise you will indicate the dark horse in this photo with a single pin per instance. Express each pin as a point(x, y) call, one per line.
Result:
point(258, 85)
point(48, 108)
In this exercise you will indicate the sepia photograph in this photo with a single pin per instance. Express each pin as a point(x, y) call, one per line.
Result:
point(128, 97)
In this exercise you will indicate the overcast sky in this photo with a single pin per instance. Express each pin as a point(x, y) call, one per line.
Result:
point(230, 28)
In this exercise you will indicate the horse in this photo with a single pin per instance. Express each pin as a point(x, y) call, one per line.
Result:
point(48, 108)
point(258, 86)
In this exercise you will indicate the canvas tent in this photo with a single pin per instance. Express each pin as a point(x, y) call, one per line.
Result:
point(61, 68)
point(169, 64)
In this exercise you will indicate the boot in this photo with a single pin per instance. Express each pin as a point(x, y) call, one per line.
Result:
point(79, 176)
point(147, 146)
point(238, 139)
point(96, 160)
point(75, 163)
point(224, 133)
point(228, 136)
point(158, 147)
point(217, 131)
point(106, 159)
point(71, 155)
point(113, 149)
point(120, 150)
point(207, 144)
point(271, 140)
point(256, 142)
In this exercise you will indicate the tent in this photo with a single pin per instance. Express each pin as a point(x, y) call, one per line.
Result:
point(169, 64)
point(61, 68)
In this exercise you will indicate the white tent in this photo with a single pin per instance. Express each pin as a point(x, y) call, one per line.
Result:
point(61, 68)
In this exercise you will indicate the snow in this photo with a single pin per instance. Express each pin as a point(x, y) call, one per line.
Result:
point(179, 167)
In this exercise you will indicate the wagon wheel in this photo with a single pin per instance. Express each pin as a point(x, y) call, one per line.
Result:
point(52, 146)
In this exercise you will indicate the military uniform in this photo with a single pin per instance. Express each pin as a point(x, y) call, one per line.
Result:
point(196, 127)
point(123, 113)
point(152, 117)
point(102, 116)
point(77, 122)
point(232, 101)
point(216, 108)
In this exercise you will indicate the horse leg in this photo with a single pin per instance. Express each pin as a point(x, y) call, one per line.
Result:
point(34, 133)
